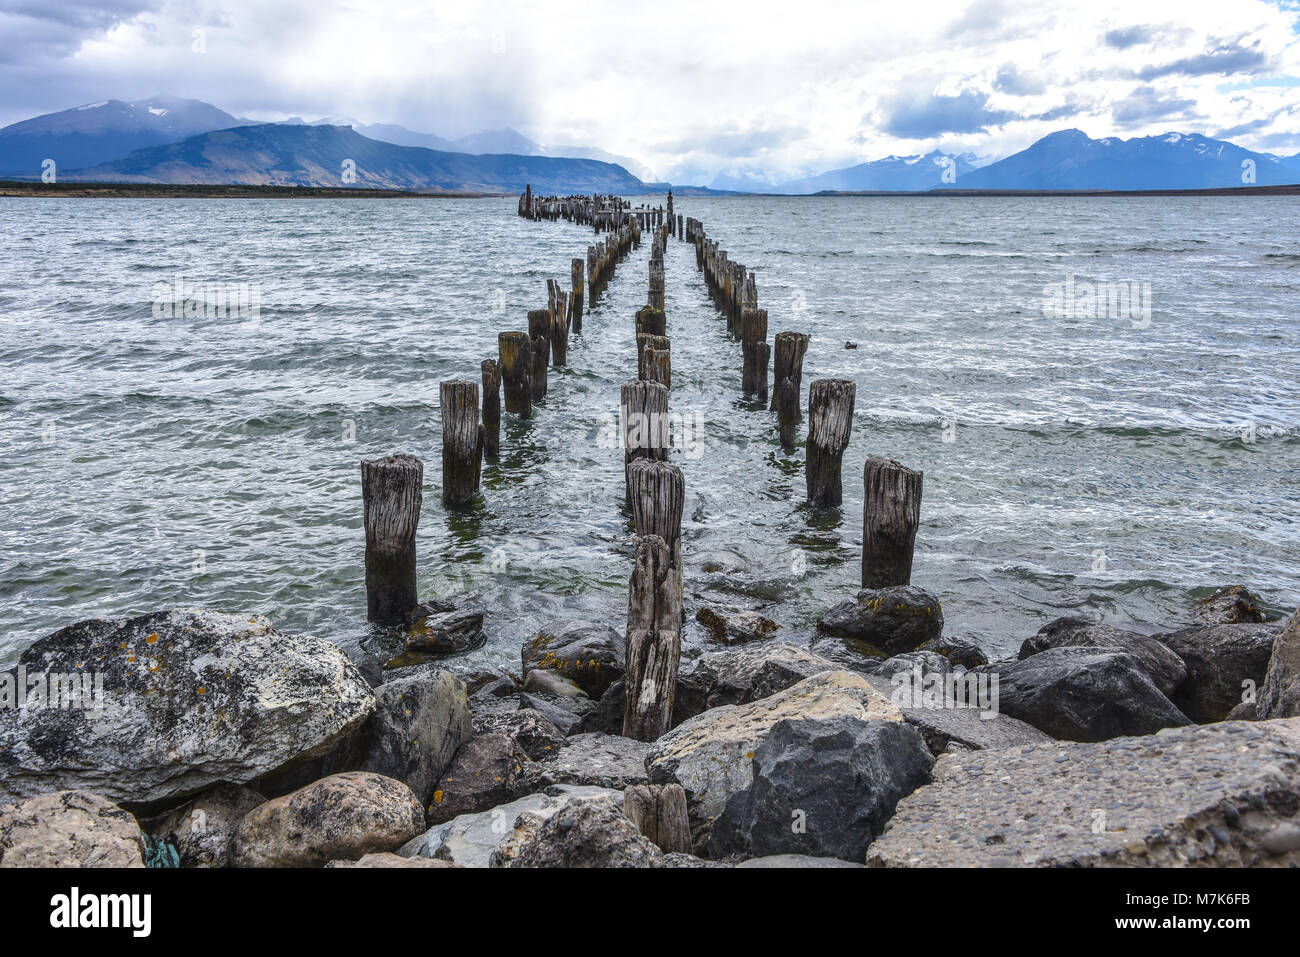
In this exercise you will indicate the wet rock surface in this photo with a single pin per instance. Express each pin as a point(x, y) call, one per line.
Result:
point(1220, 660)
point(1164, 667)
point(895, 620)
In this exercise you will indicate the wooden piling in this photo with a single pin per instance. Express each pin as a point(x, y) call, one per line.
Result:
point(755, 352)
point(654, 618)
point(654, 359)
point(651, 321)
point(659, 813)
point(539, 332)
point(559, 326)
point(830, 420)
point(392, 490)
point(491, 370)
point(515, 350)
point(644, 415)
point(462, 442)
point(576, 303)
point(891, 513)
point(787, 376)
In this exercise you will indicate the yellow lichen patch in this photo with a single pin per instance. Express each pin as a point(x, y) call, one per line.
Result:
point(203, 691)
point(152, 639)
point(437, 797)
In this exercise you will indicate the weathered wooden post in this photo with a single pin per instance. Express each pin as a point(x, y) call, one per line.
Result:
point(891, 512)
point(755, 352)
point(654, 612)
point(528, 199)
point(651, 321)
point(559, 328)
point(575, 310)
point(659, 812)
point(830, 419)
point(787, 377)
point(491, 409)
point(656, 298)
point(654, 359)
point(462, 442)
point(516, 353)
point(392, 490)
point(644, 424)
point(539, 332)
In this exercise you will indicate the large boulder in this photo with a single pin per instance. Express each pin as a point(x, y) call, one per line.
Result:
point(482, 775)
point(445, 627)
point(69, 829)
point(418, 724)
point(1279, 696)
point(738, 675)
point(896, 619)
point(190, 699)
point(487, 837)
point(568, 714)
point(581, 834)
point(535, 734)
point(387, 859)
point(593, 656)
point(1162, 665)
point(712, 754)
point(343, 816)
point(1234, 605)
point(597, 760)
point(201, 830)
point(960, 651)
point(822, 788)
point(1218, 795)
point(1224, 663)
point(1083, 694)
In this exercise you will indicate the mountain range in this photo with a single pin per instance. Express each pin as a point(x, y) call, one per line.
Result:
point(167, 139)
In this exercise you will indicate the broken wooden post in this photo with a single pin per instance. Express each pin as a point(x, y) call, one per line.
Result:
point(755, 352)
point(491, 409)
point(516, 352)
point(539, 332)
point(575, 308)
point(651, 321)
point(656, 297)
point(891, 512)
point(787, 375)
point(830, 419)
point(659, 813)
point(559, 327)
point(654, 615)
point(462, 442)
point(644, 424)
point(653, 359)
point(392, 490)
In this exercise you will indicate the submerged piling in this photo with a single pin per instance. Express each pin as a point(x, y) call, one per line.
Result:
point(830, 420)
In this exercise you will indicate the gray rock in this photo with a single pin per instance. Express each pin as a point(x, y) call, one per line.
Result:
point(445, 627)
point(733, 626)
point(1279, 695)
point(848, 654)
point(979, 725)
point(960, 651)
point(596, 760)
point(1162, 665)
point(712, 754)
point(546, 681)
point(822, 788)
point(1083, 694)
point(895, 620)
point(414, 732)
point(567, 714)
point(389, 859)
point(1220, 795)
point(743, 674)
point(1234, 605)
point(482, 775)
point(69, 829)
point(476, 840)
point(1220, 660)
point(607, 716)
point(929, 663)
point(581, 834)
point(190, 699)
point(1245, 711)
point(591, 655)
point(201, 830)
point(796, 861)
point(343, 816)
point(530, 729)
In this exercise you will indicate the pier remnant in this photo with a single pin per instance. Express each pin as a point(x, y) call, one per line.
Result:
point(462, 442)
point(787, 375)
point(891, 513)
point(516, 354)
point(830, 420)
point(491, 409)
point(392, 491)
point(755, 352)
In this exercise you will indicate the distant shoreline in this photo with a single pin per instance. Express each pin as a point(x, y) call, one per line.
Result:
point(22, 188)
point(15, 188)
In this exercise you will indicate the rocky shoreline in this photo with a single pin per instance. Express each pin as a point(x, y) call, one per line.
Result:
point(200, 739)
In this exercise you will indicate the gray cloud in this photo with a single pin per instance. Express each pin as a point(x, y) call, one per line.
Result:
point(929, 115)
point(1225, 59)
point(1146, 104)
point(1012, 81)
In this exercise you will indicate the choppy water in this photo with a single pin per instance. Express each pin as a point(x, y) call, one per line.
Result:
point(1090, 464)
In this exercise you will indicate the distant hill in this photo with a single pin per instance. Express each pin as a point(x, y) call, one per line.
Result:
point(1070, 159)
point(97, 132)
point(890, 173)
point(295, 155)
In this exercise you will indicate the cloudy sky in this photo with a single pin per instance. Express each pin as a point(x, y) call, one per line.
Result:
point(689, 88)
